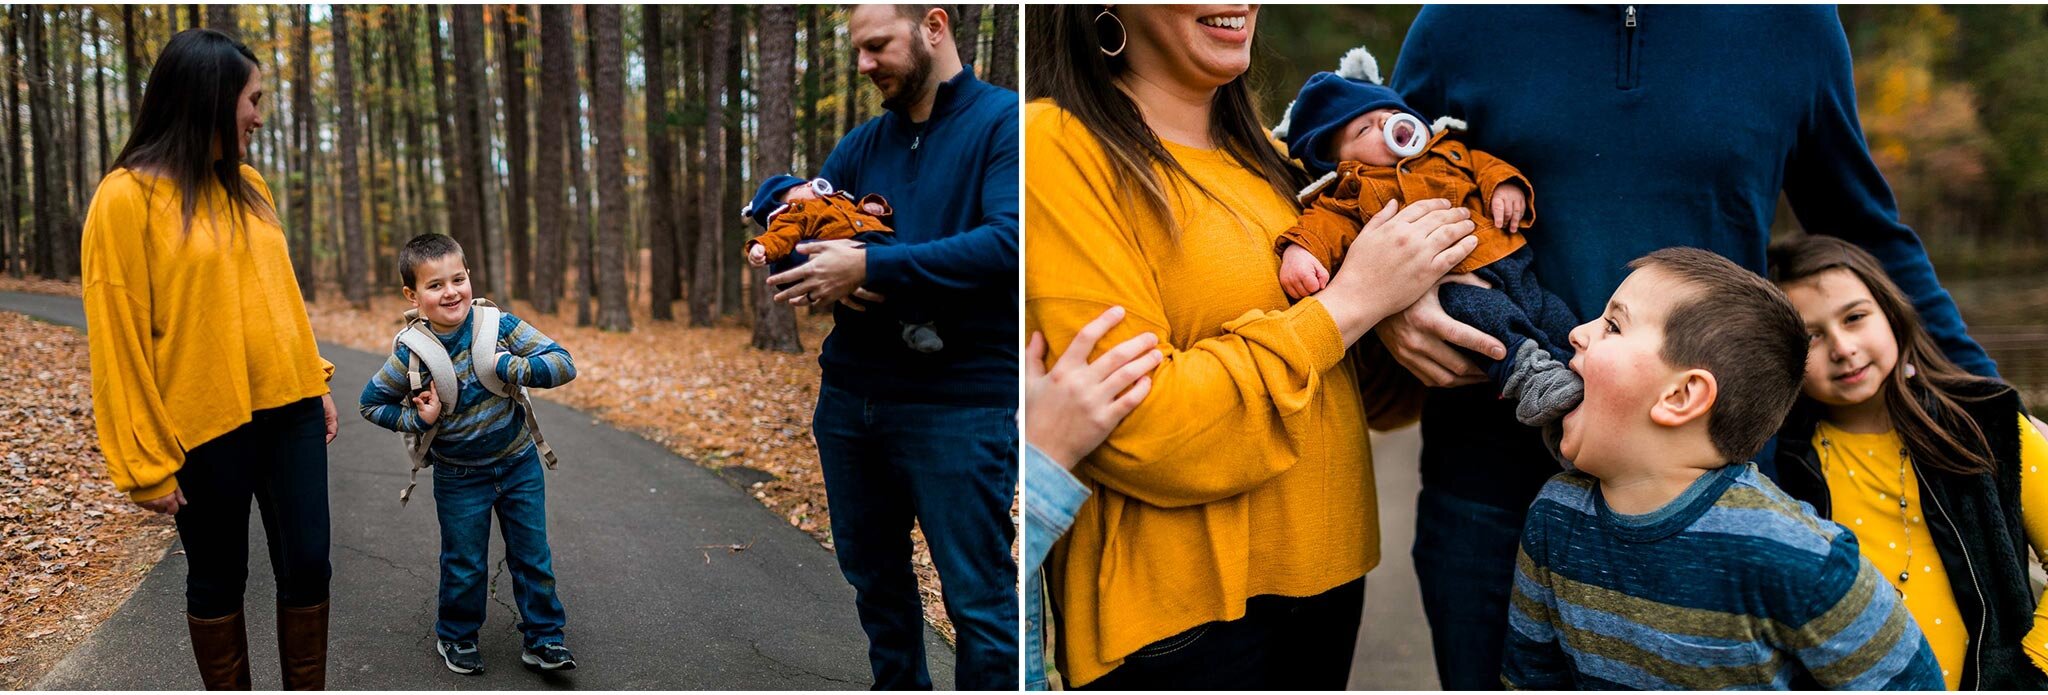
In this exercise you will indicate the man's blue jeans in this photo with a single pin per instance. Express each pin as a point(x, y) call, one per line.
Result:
point(1465, 562)
point(953, 471)
point(464, 497)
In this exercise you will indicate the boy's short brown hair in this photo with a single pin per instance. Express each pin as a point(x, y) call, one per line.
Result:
point(1742, 329)
point(423, 248)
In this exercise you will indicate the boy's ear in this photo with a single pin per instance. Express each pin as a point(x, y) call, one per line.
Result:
point(1688, 397)
point(410, 296)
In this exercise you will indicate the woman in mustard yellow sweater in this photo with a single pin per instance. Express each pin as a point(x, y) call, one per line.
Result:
point(206, 384)
point(1232, 519)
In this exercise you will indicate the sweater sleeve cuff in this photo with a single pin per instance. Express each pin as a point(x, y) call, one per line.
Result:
point(1318, 331)
point(166, 487)
point(888, 269)
point(326, 370)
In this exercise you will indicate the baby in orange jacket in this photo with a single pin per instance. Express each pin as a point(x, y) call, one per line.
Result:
point(794, 211)
point(1383, 153)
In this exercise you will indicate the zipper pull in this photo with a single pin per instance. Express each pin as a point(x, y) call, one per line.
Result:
point(1630, 22)
point(915, 141)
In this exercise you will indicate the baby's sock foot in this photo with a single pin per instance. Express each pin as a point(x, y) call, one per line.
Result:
point(1544, 388)
point(922, 337)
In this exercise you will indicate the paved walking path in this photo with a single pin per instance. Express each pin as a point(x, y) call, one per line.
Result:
point(649, 606)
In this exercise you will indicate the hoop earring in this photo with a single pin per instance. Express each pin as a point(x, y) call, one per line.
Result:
point(1123, 37)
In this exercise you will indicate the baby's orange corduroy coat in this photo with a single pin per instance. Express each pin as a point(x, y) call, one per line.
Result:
point(1446, 169)
point(836, 216)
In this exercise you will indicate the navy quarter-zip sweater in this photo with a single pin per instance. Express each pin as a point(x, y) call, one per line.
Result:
point(953, 182)
point(1648, 127)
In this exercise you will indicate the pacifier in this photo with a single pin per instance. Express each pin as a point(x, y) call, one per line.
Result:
point(1405, 135)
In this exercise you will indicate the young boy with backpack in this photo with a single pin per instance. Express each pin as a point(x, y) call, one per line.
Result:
point(473, 422)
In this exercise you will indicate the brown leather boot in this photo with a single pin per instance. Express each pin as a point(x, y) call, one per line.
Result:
point(221, 646)
point(302, 646)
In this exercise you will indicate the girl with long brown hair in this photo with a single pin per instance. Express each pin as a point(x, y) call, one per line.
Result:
point(1937, 471)
point(1232, 518)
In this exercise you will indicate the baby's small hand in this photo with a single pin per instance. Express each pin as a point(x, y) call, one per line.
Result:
point(875, 209)
point(757, 255)
point(803, 192)
point(1509, 202)
point(1300, 273)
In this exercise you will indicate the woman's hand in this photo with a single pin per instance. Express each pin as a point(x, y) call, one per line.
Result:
point(327, 411)
point(1071, 409)
point(1397, 257)
point(167, 504)
point(1425, 340)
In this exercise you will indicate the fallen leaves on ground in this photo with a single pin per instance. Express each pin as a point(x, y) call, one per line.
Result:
point(35, 285)
point(72, 548)
point(703, 393)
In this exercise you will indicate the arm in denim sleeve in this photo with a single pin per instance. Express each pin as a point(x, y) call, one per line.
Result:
point(530, 357)
point(1051, 495)
point(984, 256)
point(387, 400)
point(1836, 189)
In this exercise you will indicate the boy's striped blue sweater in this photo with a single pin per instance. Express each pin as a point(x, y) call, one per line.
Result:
point(477, 427)
point(1733, 585)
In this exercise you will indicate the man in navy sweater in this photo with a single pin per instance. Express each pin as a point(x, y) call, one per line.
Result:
point(1645, 128)
point(908, 436)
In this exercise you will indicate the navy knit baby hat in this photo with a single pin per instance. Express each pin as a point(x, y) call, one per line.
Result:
point(765, 202)
point(1332, 99)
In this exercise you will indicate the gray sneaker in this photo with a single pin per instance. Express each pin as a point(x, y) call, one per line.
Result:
point(461, 657)
point(548, 657)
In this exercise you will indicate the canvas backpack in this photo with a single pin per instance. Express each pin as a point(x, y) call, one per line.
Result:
point(430, 360)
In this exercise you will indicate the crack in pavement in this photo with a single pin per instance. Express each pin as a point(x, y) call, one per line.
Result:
point(756, 645)
point(387, 561)
point(497, 597)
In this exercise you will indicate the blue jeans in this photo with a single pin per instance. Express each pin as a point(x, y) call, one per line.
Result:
point(1465, 562)
point(464, 497)
point(953, 471)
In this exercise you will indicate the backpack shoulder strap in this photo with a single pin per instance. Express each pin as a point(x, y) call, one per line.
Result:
point(483, 346)
point(427, 360)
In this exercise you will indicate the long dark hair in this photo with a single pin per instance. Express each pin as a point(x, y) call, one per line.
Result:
point(1069, 67)
point(1926, 409)
point(190, 104)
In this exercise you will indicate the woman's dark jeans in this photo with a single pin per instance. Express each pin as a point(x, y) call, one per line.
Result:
point(279, 458)
point(1281, 643)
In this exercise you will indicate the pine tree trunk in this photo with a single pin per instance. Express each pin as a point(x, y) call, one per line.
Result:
point(40, 261)
point(131, 55)
point(774, 322)
point(470, 143)
point(814, 69)
point(17, 167)
point(304, 121)
point(850, 98)
point(518, 230)
point(75, 87)
point(550, 203)
point(99, 81)
point(694, 24)
point(967, 32)
point(711, 217)
point(354, 278)
point(415, 133)
point(221, 17)
point(578, 238)
point(372, 112)
point(444, 131)
point(732, 272)
point(1002, 48)
point(661, 186)
point(9, 204)
point(608, 116)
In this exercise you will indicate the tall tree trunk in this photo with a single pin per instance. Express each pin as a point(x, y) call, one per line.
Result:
point(99, 81)
point(967, 32)
point(445, 136)
point(512, 49)
point(272, 133)
point(813, 70)
point(17, 168)
point(577, 240)
point(192, 19)
point(303, 124)
point(550, 202)
point(415, 135)
point(131, 55)
point(608, 115)
point(695, 22)
point(588, 242)
point(354, 278)
point(369, 96)
point(661, 185)
point(42, 120)
point(850, 99)
point(774, 322)
point(75, 86)
point(221, 17)
point(471, 144)
point(1001, 70)
point(711, 217)
point(731, 271)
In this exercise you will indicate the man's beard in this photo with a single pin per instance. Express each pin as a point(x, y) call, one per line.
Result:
point(910, 85)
